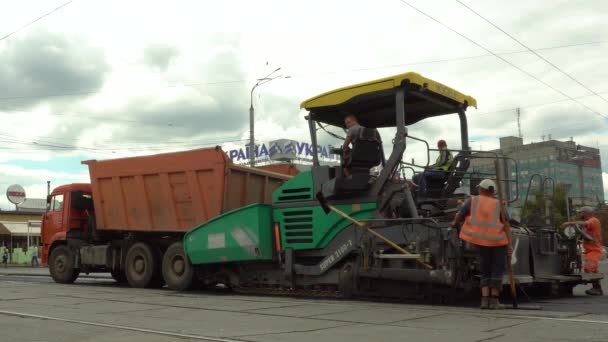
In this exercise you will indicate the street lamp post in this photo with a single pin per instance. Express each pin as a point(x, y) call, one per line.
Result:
point(260, 81)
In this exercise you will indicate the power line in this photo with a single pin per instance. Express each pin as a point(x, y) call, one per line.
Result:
point(319, 73)
point(501, 58)
point(41, 148)
point(531, 106)
point(104, 119)
point(532, 51)
point(35, 20)
point(109, 152)
point(463, 58)
point(52, 145)
point(511, 109)
point(9, 98)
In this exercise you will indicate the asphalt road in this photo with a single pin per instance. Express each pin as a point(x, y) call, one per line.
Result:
point(33, 308)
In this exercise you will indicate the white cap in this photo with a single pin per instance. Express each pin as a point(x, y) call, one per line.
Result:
point(486, 184)
point(586, 209)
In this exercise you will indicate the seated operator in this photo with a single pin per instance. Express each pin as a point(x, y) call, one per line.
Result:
point(354, 133)
point(439, 170)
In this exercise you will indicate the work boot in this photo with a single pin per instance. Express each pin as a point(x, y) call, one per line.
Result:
point(485, 303)
point(595, 292)
point(494, 304)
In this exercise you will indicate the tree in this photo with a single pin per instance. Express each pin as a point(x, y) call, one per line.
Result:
point(556, 206)
point(602, 215)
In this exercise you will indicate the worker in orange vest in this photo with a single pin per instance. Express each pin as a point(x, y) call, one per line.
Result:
point(484, 228)
point(593, 248)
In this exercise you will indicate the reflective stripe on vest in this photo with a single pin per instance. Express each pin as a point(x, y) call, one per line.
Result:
point(482, 226)
point(448, 163)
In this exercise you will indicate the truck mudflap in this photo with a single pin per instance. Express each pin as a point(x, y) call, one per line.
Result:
point(244, 234)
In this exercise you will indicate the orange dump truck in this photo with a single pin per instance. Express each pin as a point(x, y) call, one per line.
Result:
point(138, 209)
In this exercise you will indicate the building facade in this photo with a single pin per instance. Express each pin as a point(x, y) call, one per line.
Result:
point(575, 167)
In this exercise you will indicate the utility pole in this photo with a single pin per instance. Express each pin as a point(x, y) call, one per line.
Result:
point(518, 111)
point(261, 81)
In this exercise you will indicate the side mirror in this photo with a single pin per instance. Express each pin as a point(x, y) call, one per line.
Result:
point(48, 199)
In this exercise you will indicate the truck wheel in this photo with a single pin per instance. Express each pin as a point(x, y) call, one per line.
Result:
point(177, 270)
point(61, 265)
point(142, 266)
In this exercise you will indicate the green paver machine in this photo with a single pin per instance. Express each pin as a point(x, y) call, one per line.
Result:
point(293, 247)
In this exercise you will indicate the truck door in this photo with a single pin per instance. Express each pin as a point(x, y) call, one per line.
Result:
point(53, 218)
point(52, 223)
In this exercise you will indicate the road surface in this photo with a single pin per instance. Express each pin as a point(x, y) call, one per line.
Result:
point(33, 308)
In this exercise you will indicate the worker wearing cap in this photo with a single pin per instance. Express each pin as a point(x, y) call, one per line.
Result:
point(445, 158)
point(484, 228)
point(593, 248)
point(438, 170)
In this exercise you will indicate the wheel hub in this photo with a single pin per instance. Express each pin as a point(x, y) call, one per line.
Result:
point(60, 263)
point(139, 265)
point(179, 266)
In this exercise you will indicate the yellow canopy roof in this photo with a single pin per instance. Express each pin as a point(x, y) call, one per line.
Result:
point(374, 101)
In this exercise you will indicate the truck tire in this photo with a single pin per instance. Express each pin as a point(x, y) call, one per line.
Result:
point(178, 273)
point(61, 265)
point(142, 266)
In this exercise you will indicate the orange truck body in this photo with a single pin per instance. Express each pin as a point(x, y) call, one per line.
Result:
point(174, 192)
point(286, 169)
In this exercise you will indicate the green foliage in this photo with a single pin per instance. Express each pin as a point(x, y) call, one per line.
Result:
point(556, 205)
point(602, 215)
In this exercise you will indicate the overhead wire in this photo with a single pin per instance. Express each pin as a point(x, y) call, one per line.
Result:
point(501, 58)
point(24, 97)
point(491, 53)
point(35, 20)
point(42, 144)
point(456, 59)
point(532, 51)
point(511, 109)
point(7, 98)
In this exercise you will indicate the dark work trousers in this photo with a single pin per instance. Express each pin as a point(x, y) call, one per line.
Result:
point(492, 265)
point(430, 175)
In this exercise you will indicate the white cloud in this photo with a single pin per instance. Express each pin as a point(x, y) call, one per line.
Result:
point(34, 181)
point(140, 109)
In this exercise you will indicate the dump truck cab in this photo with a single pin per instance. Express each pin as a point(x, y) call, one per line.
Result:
point(67, 211)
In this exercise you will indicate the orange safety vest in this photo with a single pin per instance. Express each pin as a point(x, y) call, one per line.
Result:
point(483, 226)
point(593, 249)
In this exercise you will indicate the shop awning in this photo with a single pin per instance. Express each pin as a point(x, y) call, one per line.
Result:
point(20, 228)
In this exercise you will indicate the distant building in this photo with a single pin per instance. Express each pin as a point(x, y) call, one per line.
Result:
point(19, 229)
point(32, 205)
point(575, 167)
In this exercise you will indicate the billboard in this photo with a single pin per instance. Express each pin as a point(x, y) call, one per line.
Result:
point(283, 150)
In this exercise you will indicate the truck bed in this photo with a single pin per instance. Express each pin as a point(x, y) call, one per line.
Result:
point(174, 192)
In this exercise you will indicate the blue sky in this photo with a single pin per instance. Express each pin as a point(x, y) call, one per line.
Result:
point(68, 164)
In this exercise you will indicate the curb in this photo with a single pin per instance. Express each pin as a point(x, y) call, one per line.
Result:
point(48, 275)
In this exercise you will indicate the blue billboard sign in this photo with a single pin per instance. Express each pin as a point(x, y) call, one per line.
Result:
point(283, 149)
